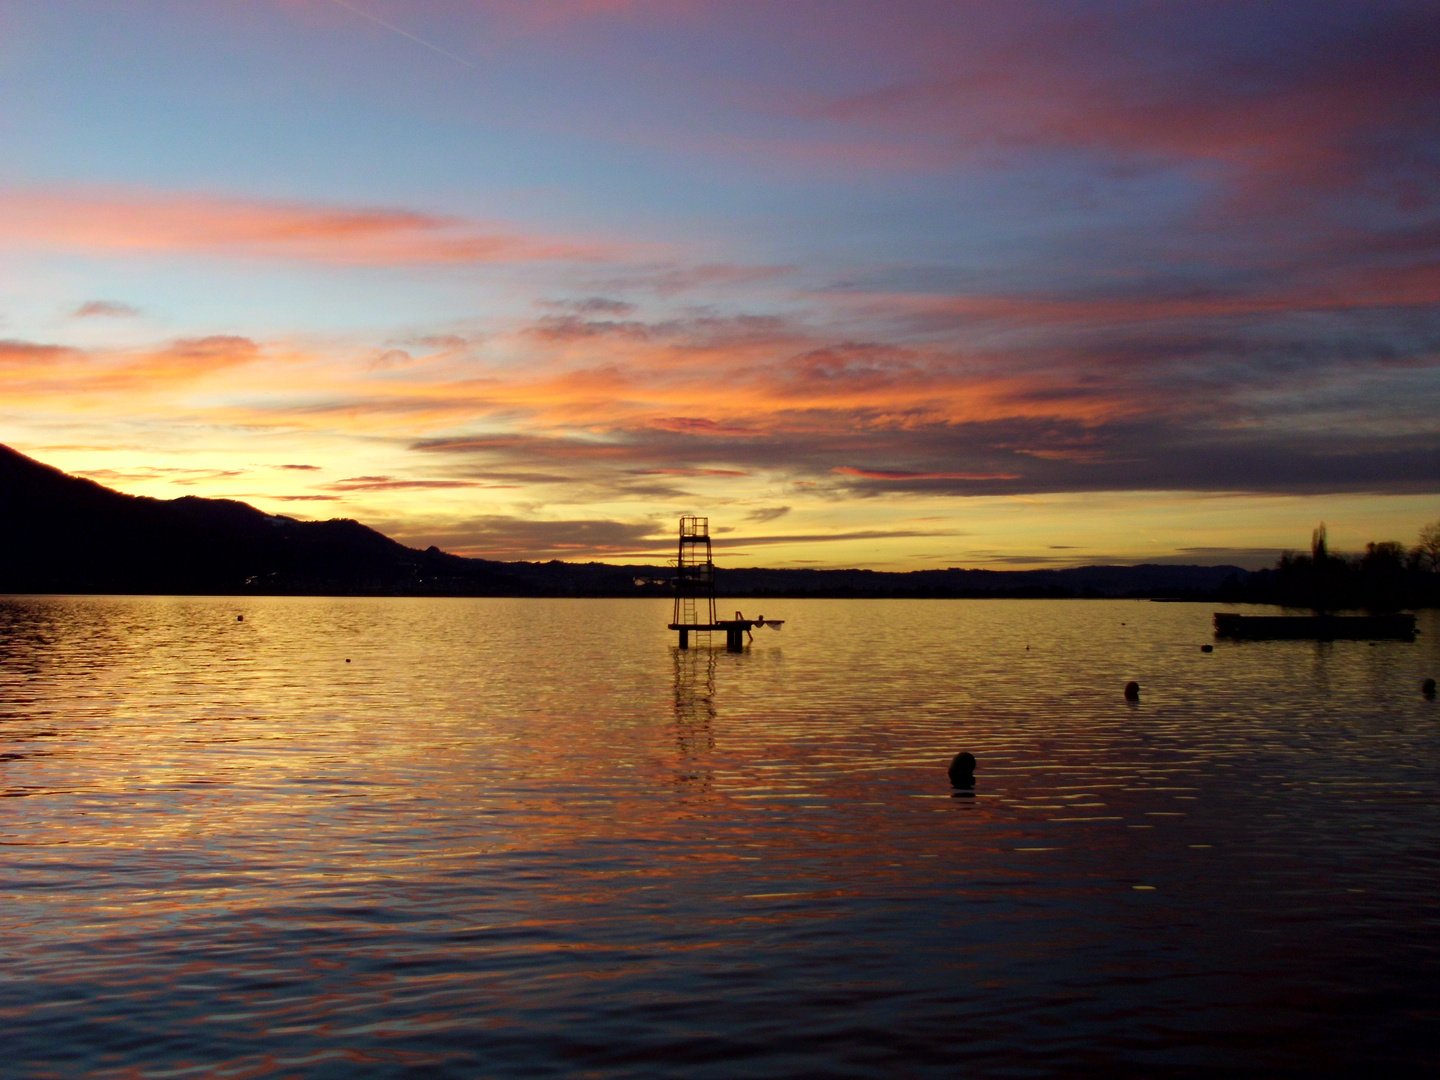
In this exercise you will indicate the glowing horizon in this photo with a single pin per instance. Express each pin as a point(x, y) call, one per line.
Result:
point(893, 286)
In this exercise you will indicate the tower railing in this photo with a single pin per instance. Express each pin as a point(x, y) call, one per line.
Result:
point(694, 575)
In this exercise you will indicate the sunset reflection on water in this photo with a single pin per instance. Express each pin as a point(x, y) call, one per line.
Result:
point(530, 837)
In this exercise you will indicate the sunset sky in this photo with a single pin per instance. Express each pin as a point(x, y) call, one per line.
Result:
point(895, 284)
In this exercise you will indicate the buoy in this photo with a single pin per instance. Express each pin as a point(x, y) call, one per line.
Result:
point(1207, 648)
point(962, 769)
point(1428, 689)
point(1132, 691)
point(239, 618)
point(347, 659)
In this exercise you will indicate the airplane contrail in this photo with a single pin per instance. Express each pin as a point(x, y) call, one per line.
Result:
point(403, 33)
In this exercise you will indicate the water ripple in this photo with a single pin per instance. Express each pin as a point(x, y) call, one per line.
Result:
point(530, 838)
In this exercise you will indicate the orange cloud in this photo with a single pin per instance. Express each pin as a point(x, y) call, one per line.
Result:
point(387, 483)
point(691, 472)
point(117, 379)
point(193, 357)
point(641, 409)
point(752, 382)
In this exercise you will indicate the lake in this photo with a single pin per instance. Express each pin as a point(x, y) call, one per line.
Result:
point(531, 838)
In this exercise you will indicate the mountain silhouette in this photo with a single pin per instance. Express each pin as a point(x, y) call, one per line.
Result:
point(65, 534)
point(61, 533)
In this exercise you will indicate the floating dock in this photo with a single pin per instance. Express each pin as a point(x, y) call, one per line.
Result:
point(1315, 627)
point(733, 628)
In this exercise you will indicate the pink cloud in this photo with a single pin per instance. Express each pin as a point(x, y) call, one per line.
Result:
point(27, 354)
point(528, 17)
point(1338, 288)
point(108, 309)
point(130, 221)
point(694, 425)
point(1326, 107)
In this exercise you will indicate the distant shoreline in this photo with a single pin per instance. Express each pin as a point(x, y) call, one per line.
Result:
point(479, 578)
point(999, 598)
point(63, 535)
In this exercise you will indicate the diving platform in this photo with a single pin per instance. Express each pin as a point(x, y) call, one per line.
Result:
point(695, 591)
point(733, 629)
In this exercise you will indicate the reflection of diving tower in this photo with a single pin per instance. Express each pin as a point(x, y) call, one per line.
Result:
point(694, 579)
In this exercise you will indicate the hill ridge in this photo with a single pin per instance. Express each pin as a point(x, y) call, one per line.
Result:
point(68, 534)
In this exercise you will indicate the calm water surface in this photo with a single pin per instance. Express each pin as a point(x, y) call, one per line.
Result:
point(506, 838)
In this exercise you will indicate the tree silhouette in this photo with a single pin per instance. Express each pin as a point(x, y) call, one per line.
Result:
point(1427, 552)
